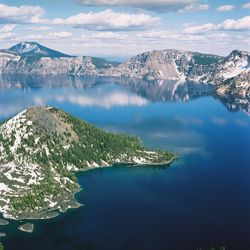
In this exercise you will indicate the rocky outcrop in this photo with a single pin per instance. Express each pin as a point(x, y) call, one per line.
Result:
point(228, 74)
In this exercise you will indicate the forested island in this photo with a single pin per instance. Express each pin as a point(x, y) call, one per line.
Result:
point(42, 148)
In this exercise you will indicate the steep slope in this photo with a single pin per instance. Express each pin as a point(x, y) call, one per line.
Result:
point(33, 58)
point(235, 64)
point(166, 65)
point(42, 147)
point(35, 49)
point(49, 66)
point(85, 66)
point(229, 74)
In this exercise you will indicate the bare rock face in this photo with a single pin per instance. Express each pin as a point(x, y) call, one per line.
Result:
point(167, 65)
point(230, 74)
point(225, 72)
point(33, 58)
point(160, 65)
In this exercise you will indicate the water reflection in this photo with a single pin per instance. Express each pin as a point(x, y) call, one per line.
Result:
point(84, 91)
point(166, 91)
point(197, 190)
point(22, 81)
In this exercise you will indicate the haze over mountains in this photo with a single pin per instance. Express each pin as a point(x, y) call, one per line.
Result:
point(229, 74)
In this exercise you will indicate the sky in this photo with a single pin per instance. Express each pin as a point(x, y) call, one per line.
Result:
point(127, 27)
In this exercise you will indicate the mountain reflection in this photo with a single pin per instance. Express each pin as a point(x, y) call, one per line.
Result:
point(130, 92)
point(166, 91)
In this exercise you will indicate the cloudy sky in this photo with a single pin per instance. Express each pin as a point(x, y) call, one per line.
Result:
point(127, 27)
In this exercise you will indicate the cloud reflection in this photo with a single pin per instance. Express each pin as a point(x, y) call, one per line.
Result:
point(219, 121)
point(107, 101)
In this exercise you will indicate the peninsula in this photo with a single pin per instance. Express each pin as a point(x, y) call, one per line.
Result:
point(43, 147)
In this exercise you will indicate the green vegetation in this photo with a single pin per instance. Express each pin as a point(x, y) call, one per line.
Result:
point(3, 222)
point(102, 63)
point(28, 227)
point(1, 246)
point(205, 59)
point(62, 140)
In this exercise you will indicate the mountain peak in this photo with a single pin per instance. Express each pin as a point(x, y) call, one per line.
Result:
point(26, 48)
point(239, 53)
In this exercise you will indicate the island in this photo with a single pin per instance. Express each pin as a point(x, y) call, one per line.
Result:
point(28, 228)
point(41, 150)
point(3, 222)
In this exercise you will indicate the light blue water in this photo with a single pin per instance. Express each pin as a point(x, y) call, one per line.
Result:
point(202, 200)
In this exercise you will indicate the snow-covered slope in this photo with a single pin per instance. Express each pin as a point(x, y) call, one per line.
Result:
point(35, 49)
point(188, 66)
point(235, 64)
point(42, 147)
point(166, 65)
point(170, 64)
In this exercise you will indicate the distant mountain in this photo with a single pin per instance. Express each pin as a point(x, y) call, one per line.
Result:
point(41, 148)
point(166, 65)
point(229, 74)
point(35, 49)
point(33, 58)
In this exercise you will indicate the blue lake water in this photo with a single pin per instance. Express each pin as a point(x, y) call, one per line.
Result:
point(202, 200)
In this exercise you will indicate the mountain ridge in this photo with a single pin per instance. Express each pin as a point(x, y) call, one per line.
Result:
point(35, 49)
point(156, 65)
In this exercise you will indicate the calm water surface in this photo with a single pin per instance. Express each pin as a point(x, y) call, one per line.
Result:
point(202, 200)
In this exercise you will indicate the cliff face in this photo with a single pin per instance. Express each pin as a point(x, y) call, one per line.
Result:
point(228, 73)
point(167, 64)
point(33, 58)
point(224, 72)
point(179, 65)
point(46, 65)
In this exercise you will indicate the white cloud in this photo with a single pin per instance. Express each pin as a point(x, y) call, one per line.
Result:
point(105, 36)
point(61, 35)
point(34, 38)
point(156, 5)
point(41, 28)
point(6, 32)
point(219, 37)
point(236, 24)
point(224, 8)
point(109, 20)
point(200, 29)
point(49, 36)
point(7, 28)
point(22, 14)
point(229, 24)
point(6, 36)
point(195, 8)
point(163, 35)
point(246, 6)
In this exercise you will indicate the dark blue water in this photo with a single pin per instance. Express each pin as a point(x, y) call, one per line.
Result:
point(202, 200)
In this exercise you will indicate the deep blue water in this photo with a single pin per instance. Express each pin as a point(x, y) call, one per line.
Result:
point(202, 200)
